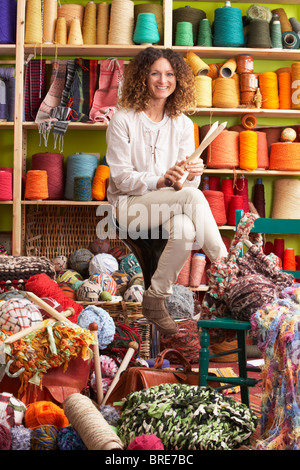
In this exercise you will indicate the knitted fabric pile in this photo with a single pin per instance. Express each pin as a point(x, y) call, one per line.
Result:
point(186, 417)
point(60, 343)
point(277, 328)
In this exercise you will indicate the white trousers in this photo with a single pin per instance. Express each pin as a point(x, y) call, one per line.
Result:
point(185, 217)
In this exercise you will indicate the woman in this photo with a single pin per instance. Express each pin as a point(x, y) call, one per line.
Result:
point(147, 141)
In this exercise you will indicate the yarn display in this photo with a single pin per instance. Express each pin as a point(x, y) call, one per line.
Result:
point(180, 304)
point(106, 325)
point(134, 293)
point(69, 439)
point(12, 410)
point(88, 291)
point(44, 438)
point(45, 413)
point(129, 265)
point(103, 263)
point(105, 281)
point(79, 261)
point(181, 417)
point(146, 442)
point(20, 438)
point(100, 246)
point(18, 314)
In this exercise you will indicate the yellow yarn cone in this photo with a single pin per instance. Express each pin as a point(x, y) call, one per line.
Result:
point(75, 35)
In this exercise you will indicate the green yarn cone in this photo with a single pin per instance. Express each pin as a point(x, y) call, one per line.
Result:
point(204, 34)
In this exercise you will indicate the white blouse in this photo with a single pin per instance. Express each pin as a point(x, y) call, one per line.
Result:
point(139, 151)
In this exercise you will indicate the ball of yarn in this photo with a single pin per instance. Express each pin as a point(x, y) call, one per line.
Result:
point(146, 442)
point(69, 439)
point(181, 303)
point(109, 367)
point(118, 252)
point(17, 314)
point(105, 296)
point(69, 276)
point(79, 260)
point(44, 437)
point(129, 265)
point(103, 263)
point(134, 293)
point(20, 438)
point(60, 263)
point(99, 246)
point(88, 291)
point(5, 438)
point(122, 280)
point(67, 290)
point(106, 326)
point(249, 294)
point(110, 414)
point(288, 135)
point(137, 279)
point(47, 413)
point(105, 281)
point(12, 410)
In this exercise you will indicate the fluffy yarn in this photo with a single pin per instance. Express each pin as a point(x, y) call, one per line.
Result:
point(12, 410)
point(20, 438)
point(146, 442)
point(106, 325)
point(110, 414)
point(5, 438)
point(103, 263)
point(181, 303)
point(69, 439)
point(80, 259)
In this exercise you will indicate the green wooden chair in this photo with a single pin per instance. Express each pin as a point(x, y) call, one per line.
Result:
point(262, 225)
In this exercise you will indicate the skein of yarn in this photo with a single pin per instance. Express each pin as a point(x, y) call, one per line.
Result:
point(93, 429)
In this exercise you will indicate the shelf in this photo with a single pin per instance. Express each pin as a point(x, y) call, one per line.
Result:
point(87, 50)
point(259, 112)
point(47, 202)
point(7, 49)
point(227, 52)
point(213, 171)
point(87, 126)
point(6, 125)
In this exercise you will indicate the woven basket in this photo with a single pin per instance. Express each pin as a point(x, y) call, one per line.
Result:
point(129, 313)
point(224, 347)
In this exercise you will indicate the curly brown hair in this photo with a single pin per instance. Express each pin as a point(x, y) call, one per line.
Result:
point(135, 94)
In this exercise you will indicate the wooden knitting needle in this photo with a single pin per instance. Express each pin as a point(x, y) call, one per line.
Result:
point(54, 313)
point(133, 346)
point(213, 132)
point(97, 366)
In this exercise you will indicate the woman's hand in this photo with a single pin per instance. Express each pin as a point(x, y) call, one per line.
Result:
point(195, 168)
point(172, 174)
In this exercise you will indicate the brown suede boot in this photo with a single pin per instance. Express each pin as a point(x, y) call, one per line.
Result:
point(154, 310)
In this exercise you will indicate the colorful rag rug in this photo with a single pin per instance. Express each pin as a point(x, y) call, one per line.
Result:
point(277, 328)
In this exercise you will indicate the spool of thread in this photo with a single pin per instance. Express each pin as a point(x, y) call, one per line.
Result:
point(225, 93)
point(228, 27)
point(249, 121)
point(268, 83)
point(146, 30)
point(49, 20)
point(189, 15)
point(80, 164)
point(247, 98)
point(295, 79)
point(223, 152)
point(216, 203)
point(241, 189)
point(259, 197)
point(33, 23)
point(295, 24)
point(53, 164)
point(196, 135)
point(214, 70)
point(100, 182)
point(227, 189)
point(184, 34)
point(285, 90)
point(102, 23)
point(262, 151)
point(215, 183)
point(157, 10)
point(244, 63)
point(290, 40)
point(6, 185)
point(248, 150)
point(203, 87)
point(279, 247)
point(184, 276)
point(259, 34)
point(61, 31)
point(197, 269)
point(248, 82)
point(8, 21)
point(36, 186)
point(268, 248)
point(89, 28)
point(284, 21)
point(204, 34)
point(82, 188)
point(285, 156)
point(205, 183)
point(227, 70)
point(198, 66)
point(236, 203)
point(289, 260)
point(276, 35)
point(75, 34)
point(69, 12)
point(121, 22)
point(286, 199)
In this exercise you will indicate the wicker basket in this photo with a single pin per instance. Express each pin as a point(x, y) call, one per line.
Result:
point(129, 313)
point(224, 347)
